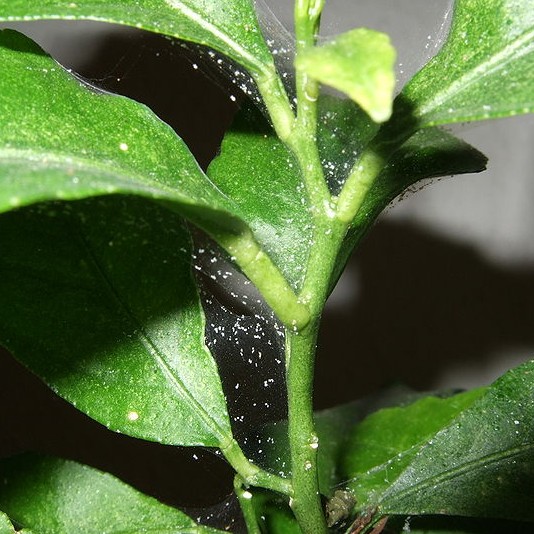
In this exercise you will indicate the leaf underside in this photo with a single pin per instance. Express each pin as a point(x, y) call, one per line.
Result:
point(360, 64)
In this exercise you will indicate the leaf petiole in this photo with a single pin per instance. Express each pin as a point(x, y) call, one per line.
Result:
point(247, 253)
point(358, 184)
point(251, 474)
point(244, 497)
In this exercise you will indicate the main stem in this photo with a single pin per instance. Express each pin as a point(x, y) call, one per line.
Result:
point(301, 344)
point(303, 441)
point(301, 313)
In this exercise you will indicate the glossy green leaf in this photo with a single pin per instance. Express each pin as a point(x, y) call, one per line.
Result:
point(5, 524)
point(97, 299)
point(378, 457)
point(427, 154)
point(262, 177)
point(60, 139)
point(360, 64)
point(484, 70)
point(228, 26)
point(470, 455)
point(53, 496)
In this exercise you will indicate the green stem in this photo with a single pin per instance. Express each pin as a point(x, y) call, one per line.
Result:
point(259, 268)
point(244, 497)
point(367, 168)
point(306, 27)
point(276, 101)
point(358, 184)
point(327, 240)
point(303, 140)
point(303, 441)
point(251, 474)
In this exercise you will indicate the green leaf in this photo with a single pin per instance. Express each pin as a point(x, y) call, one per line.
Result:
point(427, 154)
point(228, 26)
point(484, 70)
point(470, 455)
point(262, 177)
point(53, 496)
point(5, 524)
point(278, 518)
point(98, 300)
point(360, 64)
point(378, 457)
point(59, 139)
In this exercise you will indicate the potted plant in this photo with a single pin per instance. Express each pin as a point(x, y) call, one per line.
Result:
point(100, 200)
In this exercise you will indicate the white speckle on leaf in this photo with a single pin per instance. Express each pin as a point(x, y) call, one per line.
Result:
point(133, 416)
point(247, 495)
point(124, 147)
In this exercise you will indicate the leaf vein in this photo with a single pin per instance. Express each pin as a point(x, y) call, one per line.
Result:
point(458, 471)
point(211, 28)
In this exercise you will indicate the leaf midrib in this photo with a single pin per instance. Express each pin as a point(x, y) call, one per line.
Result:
point(211, 28)
point(154, 351)
point(459, 470)
point(22, 155)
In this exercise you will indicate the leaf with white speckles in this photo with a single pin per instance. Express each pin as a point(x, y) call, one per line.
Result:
point(53, 496)
point(229, 26)
point(485, 69)
point(466, 455)
point(97, 299)
point(61, 140)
